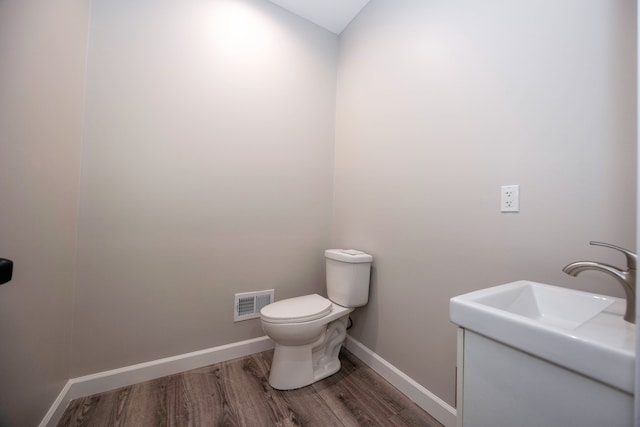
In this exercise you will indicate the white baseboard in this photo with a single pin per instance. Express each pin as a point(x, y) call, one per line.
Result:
point(116, 378)
point(436, 407)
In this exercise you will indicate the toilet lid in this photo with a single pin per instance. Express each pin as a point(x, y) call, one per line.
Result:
point(296, 310)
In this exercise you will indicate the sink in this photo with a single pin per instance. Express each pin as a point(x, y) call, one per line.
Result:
point(546, 304)
point(582, 331)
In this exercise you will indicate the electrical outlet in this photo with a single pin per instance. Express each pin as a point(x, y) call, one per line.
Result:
point(510, 198)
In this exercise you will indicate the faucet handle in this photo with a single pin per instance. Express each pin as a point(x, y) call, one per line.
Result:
point(632, 258)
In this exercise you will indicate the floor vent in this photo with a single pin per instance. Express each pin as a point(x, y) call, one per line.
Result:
point(247, 305)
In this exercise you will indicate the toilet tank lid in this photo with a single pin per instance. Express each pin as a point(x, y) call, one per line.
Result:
point(348, 255)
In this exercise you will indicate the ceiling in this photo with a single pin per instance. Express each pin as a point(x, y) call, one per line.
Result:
point(334, 15)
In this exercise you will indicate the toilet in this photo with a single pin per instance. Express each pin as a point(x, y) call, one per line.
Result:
point(309, 330)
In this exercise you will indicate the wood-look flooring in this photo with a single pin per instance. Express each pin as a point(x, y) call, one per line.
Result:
point(237, 393)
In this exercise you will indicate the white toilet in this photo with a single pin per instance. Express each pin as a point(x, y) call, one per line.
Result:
point(309, 330)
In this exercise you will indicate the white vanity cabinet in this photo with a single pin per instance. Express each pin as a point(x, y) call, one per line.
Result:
point(499, 385)
point(538, 355)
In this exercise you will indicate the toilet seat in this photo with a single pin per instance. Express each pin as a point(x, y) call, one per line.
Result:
point(296, 310)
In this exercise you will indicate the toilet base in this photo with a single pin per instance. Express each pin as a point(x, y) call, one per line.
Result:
point(298, 366)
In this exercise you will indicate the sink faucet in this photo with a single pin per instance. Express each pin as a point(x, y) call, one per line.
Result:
point(626, 278)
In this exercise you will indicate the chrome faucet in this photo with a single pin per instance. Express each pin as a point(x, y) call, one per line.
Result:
point(626, 278)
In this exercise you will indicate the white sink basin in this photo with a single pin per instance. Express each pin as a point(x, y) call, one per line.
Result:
point(581, 331)
point(550, 305)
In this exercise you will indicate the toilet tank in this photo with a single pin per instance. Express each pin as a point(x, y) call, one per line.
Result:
point(348, 273)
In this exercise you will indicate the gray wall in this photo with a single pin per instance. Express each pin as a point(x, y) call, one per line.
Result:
point(42, 57)
point(207, 170)
point(439, 104)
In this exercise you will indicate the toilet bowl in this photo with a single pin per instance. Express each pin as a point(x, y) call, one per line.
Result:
point(309, 330)
point(306, 349)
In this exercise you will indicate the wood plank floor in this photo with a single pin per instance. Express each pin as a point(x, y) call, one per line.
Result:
point(236, 393)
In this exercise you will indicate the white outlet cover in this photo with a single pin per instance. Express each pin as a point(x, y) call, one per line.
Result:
point(510, 198)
